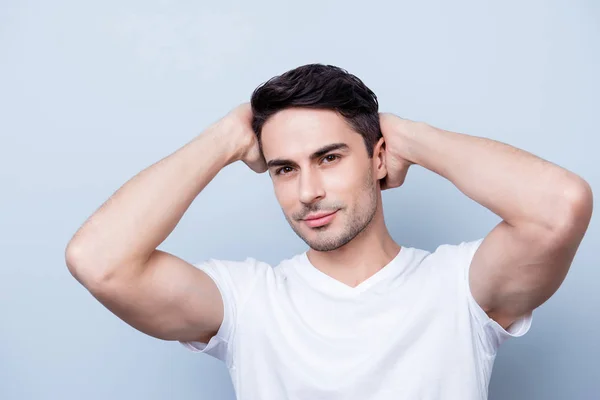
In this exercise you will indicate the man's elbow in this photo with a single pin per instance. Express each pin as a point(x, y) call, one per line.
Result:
point(81, 267)
point(578, 210)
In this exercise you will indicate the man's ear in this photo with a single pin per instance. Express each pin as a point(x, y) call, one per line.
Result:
point(379, 164)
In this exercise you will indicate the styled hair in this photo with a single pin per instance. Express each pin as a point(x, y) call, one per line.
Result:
point(321, 87)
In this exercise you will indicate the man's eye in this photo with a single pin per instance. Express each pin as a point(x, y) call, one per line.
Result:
point(283, 170)
point(330, 157)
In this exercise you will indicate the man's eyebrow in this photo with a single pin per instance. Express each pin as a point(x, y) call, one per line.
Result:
point(326, 149)
point(279, 162)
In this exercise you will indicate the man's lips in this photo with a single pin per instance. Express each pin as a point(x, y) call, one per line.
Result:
point(319, 219)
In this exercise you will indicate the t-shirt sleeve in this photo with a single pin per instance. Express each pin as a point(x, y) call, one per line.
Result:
point(492, 334)
point(235, 280)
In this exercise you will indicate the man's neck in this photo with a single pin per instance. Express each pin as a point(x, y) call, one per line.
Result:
point(359, 259)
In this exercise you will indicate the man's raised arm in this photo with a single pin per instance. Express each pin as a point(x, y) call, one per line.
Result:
point(114, 254)
point(545, 208)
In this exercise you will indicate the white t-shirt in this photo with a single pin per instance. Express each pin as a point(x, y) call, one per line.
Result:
point(410, 331)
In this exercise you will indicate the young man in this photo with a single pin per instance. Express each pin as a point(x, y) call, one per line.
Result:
point(356, 316)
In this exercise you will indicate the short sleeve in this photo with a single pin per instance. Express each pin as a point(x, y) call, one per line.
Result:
point(493, 334)
point(235, 281)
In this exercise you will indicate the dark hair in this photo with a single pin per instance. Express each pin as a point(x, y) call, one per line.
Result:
point(322, 87)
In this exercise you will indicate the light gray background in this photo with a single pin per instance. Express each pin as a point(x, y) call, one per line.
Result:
point(91, 94)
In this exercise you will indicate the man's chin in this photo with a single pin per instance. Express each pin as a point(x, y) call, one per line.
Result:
point(324, 243)
point(323, 238)
point(325, 247)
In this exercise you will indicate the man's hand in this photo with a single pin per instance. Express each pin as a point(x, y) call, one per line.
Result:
point(237, 126)
point(395, 131)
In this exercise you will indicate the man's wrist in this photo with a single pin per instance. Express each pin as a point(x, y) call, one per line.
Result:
point(224, 142)
point(412, 133)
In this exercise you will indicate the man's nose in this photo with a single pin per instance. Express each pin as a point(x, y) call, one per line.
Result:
point(311, 188)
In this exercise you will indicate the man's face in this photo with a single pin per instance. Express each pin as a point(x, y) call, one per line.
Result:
point(323, 178)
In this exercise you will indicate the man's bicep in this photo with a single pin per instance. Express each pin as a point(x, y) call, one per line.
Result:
point(171, 299)
point(515, 270)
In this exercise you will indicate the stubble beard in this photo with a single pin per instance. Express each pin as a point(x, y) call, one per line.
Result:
point(359, 219)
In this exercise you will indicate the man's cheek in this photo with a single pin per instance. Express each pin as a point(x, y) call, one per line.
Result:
point(338, 184)
point(286, 199)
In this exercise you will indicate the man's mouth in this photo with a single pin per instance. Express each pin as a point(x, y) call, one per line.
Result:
point(315, 220)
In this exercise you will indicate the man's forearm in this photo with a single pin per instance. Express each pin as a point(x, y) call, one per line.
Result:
point(514, 184)
point(139, 216)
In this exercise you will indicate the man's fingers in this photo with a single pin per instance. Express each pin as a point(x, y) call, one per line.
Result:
point(383, 184)
point(393, 180)
point(259, 166)
point(255, 159)
point(389, 184)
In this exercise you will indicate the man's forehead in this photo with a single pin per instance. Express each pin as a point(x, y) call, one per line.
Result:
point(300, 132)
